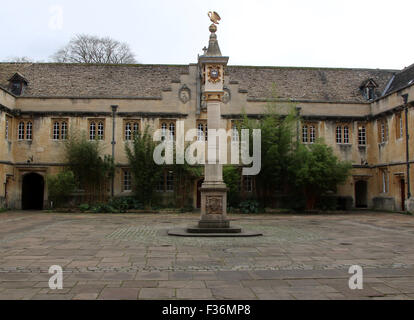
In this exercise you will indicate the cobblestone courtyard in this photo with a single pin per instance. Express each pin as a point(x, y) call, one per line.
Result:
point(130, 256)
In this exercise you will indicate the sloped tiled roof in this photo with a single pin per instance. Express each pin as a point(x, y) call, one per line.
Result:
point(402, 79)
point(90, 80)
point(322, 84)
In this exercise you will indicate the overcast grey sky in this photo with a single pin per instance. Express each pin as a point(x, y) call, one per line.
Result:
point(323, 33)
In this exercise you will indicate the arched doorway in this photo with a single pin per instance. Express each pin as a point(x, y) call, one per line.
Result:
point(32, 191)
point(361, 194)
point(199, 183)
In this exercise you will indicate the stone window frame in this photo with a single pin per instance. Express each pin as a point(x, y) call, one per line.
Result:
point(96, 122)
point(338, 134)
point(62, 134)
point(132, 122)
point(203, 123)
point(304, 134)
point(170, 123)
point(25, 130)
point(344, 130)
point(385, 180)
point(160, 186)
point(248, 183)
point(100, 132)
point(369, 93)
point(346, 134)
point(368, 89)
point(399, 126)
point(17, 84)
point(8, 124)
point(383, 132)
point(126, 180)
point(169, 181)
point(166, 182)
point(309, 131)
point(16, 87)
point(235, 134)
point(362, 134)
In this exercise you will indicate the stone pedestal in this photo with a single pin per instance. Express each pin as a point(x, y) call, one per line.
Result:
point(213, 206)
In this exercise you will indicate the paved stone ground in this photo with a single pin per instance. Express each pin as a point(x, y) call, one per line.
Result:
point(130, 256)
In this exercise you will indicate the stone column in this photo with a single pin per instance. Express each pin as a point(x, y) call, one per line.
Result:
point(213, 189)
point(214, 221)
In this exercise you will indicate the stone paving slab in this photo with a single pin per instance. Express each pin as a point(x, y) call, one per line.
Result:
point(119, 294)
point(130, 256)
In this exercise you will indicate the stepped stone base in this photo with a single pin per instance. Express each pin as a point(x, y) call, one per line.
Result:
point(221, 224)
point(212, 232)
point(228, 229)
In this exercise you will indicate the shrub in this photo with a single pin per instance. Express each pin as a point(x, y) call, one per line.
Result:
point(145, 172)
point(231, 176)
point(296, 201)
point(84, 207)
point(317, 171)
point(327, 203)
point(119, 204)
point(61, 186)
point(232, 210)
point(126, 203)
point(91, 168)
point(103, 208)
point(249, 206)
point(186, 209)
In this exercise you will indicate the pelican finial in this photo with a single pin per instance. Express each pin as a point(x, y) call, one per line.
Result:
point(214, 17)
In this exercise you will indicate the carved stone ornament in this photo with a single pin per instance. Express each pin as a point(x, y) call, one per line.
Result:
point(203, 103)
point(184, 94)
point(213, 96)
point(214, 204)
point(226, 96)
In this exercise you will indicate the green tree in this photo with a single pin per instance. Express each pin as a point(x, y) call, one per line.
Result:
point(145, 172)
point(287, 166)
point(91, 168)
point(278, 131)
point(231, 176)
point(60, 186)
point(317, 170)
point(185, 175)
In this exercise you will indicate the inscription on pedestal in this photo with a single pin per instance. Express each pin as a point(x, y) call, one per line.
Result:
point(214, 204)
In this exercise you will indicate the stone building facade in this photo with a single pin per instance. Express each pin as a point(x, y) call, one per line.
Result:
point(361, 113)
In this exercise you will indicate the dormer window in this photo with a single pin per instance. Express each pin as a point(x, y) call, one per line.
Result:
point(16, 88)
point(17, 84)
point(368, 89)
point(369, 93)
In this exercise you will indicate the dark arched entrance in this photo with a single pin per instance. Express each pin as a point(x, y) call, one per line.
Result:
point(32, 191)
point(361, 194)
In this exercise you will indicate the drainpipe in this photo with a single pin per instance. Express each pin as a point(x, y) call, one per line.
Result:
point(198, 90)
point(298, 109)
point(114, 108)
point(407, 136)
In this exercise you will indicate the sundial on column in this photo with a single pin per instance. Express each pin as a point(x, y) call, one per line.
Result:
point(214, 73)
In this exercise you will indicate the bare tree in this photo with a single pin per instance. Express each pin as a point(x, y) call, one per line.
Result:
point(19, 59)
point(92, 49)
